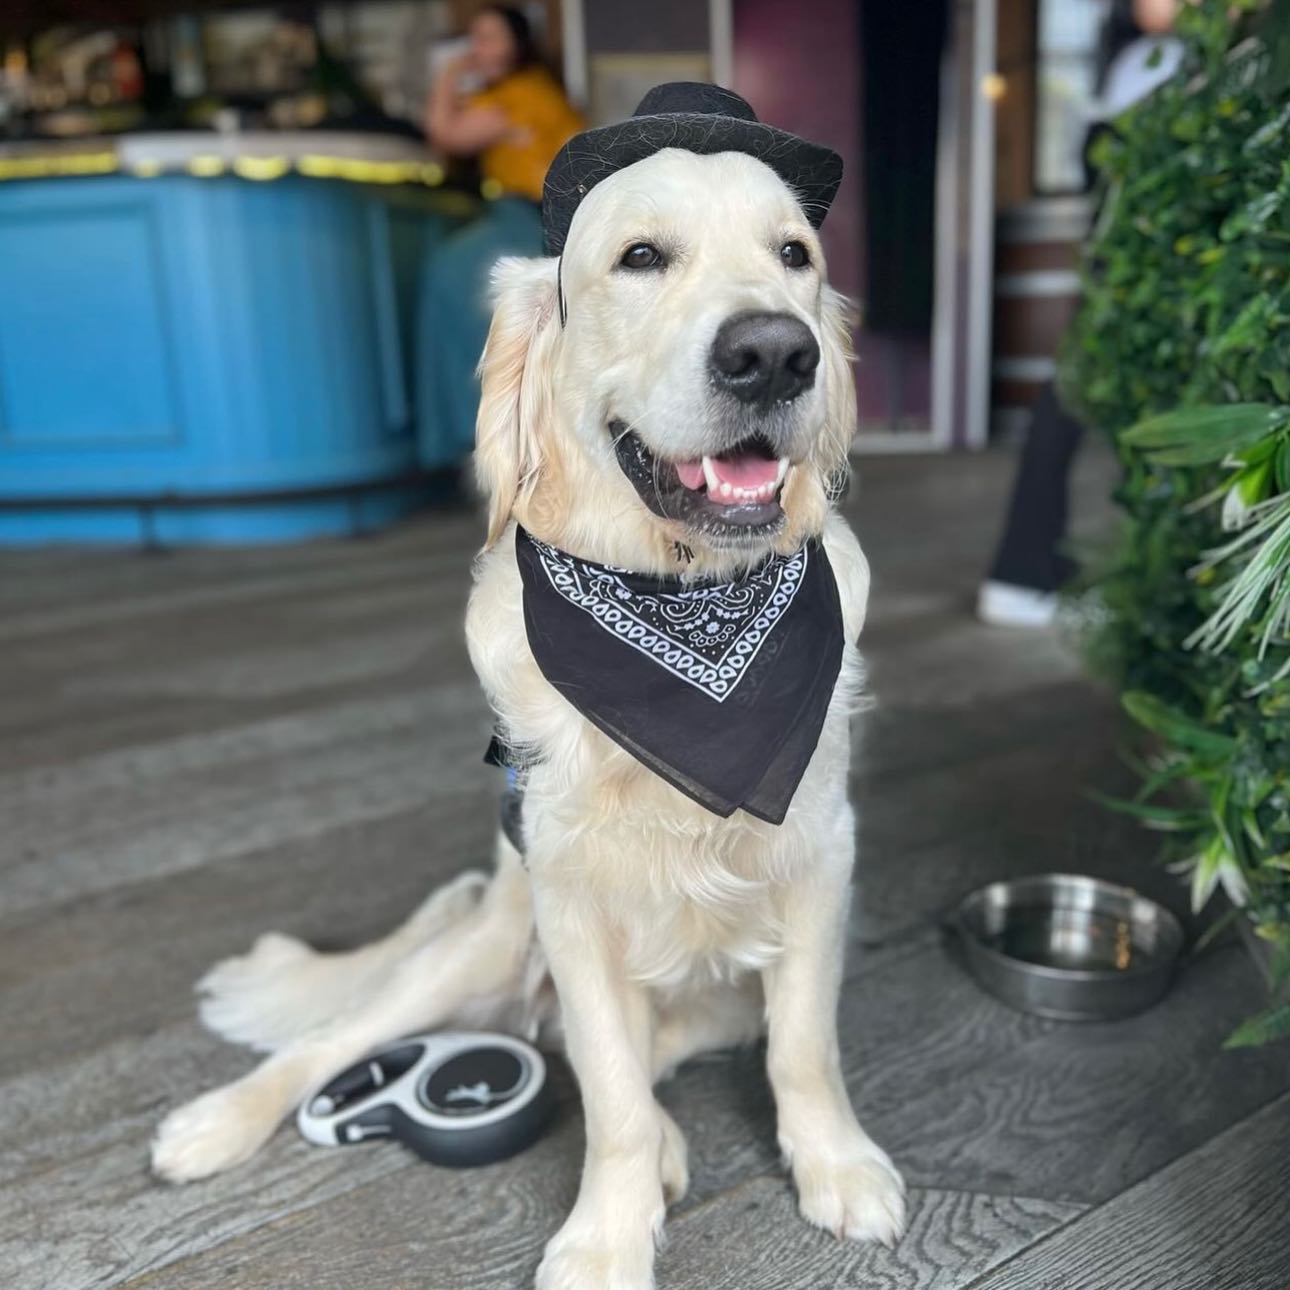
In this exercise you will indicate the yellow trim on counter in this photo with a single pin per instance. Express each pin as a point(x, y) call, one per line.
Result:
point(261, 168)
point(360, 171)
point(210, 166)
point(72, 163)
point(206, 165)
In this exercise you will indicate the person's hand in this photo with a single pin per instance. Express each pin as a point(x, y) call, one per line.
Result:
point(462, 65)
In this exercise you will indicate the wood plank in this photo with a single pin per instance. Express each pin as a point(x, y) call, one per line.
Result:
point(76, 1194)
point(722, 1103)
point(970, 1095)
point(393, 1232)
point(1214, 1220)
point(193, 587)
point(751, 1238)
point(141, 812)
point(86, 578)
point(965, 1096)
point(70, 694)
point(96, 1217)
point(1023, 782)
point(99, 968)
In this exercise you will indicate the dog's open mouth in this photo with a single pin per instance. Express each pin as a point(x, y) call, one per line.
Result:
point(734, 492)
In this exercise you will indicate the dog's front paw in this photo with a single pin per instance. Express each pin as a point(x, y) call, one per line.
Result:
point(574, 1263)
point(853, 1192)
point(212, 1133)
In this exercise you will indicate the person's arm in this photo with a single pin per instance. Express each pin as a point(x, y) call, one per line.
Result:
point(454, 127)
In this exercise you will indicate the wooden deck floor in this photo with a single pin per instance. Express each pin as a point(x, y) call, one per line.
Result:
point(197, 747)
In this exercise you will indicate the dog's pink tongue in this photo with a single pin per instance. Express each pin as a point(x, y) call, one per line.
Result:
point(690, 473)
point(746, 470)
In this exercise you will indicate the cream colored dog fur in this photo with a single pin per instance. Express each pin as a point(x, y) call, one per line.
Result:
point(664, 929)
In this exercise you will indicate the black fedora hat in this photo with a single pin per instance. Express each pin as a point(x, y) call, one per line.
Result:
point(698, 118)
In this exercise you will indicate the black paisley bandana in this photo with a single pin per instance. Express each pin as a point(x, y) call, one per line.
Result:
point(719, 688)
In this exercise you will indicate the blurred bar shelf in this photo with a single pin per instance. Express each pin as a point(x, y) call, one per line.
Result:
point(209, 338)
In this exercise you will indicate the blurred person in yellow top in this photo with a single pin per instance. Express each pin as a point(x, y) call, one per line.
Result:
point(516, 120)
point(498, 104)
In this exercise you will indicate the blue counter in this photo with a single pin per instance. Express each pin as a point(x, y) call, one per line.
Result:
point(188, 359)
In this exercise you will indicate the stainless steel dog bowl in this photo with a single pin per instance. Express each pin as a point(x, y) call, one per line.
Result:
point(1069, 947)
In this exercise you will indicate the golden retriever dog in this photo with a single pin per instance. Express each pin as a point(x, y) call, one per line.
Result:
point(608, 422)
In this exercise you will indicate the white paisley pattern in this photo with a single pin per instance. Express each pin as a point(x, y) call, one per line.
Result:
point(705, 635)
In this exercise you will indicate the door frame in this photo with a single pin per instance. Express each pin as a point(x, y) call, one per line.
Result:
point(963, 295)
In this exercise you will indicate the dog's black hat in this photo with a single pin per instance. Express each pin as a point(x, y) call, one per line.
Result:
point(699, 118)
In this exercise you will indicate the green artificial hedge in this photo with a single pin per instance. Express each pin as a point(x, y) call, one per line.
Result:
point(1181, 352)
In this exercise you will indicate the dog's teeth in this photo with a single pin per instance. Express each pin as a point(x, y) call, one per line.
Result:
point(726, 492)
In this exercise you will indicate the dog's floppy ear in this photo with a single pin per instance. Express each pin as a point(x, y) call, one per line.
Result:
point(838, 318)
point(515, 379)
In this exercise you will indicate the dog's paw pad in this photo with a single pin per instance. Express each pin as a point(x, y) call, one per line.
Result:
point(858, 1196)
point(212, 1133)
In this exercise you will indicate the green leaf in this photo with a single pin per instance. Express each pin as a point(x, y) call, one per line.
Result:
point(1280, 968)
point(1196, 436)
point(1217, 927)
point(1166, 818)
point(1158, 717)
point(1260, 452)
point(1283, 466)
point(1153, 781)
point(1250, 822)
point(1263, 1028)
point(1207, 872)
point(1252, 482)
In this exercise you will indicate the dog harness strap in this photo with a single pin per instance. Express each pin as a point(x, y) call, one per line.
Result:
point(719, 688)
point(559, 291)
point(502, 753)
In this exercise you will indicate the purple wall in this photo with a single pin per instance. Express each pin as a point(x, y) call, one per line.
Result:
point(799, 66)
point(628, 26)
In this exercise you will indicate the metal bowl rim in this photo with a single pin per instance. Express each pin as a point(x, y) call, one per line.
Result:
point(1168, 918)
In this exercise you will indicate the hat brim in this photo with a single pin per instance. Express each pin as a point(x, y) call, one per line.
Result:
point(811, 170)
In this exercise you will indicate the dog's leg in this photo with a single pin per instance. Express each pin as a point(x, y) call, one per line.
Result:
point(607, 1242)
point(282, 989)
point(475, 967)
point(845, 1183)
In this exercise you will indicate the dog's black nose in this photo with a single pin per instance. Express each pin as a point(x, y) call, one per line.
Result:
point(764, 358)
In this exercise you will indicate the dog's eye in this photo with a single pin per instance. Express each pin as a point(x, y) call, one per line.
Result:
point(794, 255)
point(642, 256)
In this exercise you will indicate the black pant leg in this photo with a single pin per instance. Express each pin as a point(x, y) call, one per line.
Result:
point(1028, 555)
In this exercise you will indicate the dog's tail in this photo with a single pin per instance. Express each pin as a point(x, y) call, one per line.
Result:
point(467, 957)
point(282, 990)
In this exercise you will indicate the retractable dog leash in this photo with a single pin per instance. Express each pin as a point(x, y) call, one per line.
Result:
point(455, 1099)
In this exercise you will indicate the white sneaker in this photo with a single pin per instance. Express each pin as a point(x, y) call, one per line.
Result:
point(1005, 604)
